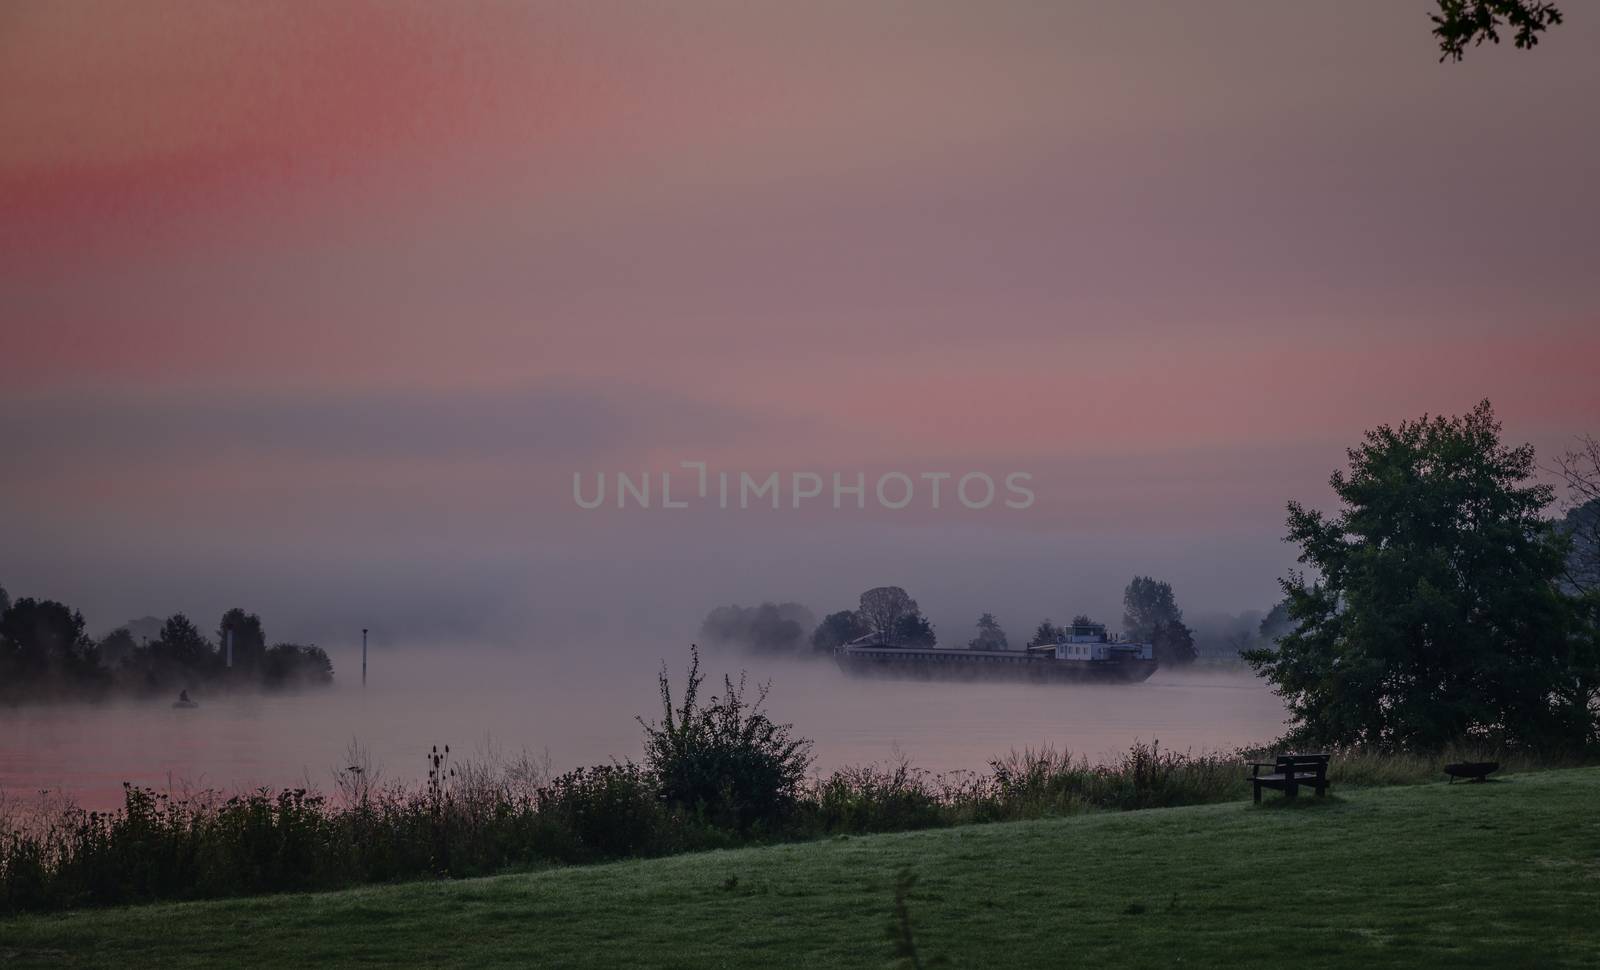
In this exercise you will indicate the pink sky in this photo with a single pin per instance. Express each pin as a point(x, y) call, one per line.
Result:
point(331, 283)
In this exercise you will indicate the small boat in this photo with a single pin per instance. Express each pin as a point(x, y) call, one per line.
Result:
point(184, 701)
point(1471, 770)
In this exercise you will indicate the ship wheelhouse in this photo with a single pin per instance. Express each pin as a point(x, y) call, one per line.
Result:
point(1089, 642)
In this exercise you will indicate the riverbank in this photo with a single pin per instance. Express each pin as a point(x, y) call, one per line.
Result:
point(1500, 874)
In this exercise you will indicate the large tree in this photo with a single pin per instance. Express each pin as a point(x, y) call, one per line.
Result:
point(1434, 614)
point(883, 607)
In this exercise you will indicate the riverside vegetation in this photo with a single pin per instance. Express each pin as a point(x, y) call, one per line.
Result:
point(717, 773)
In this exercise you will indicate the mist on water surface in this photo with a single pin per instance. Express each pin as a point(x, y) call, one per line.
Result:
point(578, 707)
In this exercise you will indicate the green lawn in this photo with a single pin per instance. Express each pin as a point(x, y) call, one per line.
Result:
point(1497, 875)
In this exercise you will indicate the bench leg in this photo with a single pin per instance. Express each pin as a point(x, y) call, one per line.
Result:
point(1291, 790)
point(1257, 786)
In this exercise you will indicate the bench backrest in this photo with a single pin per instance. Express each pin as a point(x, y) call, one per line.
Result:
point(1303, 765)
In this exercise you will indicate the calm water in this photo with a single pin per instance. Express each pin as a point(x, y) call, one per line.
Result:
point(581, 711)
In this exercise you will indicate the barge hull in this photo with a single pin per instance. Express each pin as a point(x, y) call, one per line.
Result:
point(902, 664)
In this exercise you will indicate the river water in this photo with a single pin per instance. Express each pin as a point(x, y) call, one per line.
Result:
point(579, 709)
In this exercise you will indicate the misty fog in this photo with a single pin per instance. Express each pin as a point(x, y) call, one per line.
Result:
point(576, 706)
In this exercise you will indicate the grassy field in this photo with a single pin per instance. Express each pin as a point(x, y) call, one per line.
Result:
point(1505, 874)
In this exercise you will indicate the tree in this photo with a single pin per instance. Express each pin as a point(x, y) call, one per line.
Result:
point(40, 636)
point(990, 636)
point(837, 629)
point(1435, 615)
point(914, 630)
point(5, 600)
point(1046, 633)
point(116, 647)
point(249, 641)
point(1275, 624)
point(1173, 643)
point(293, 665)
point(1462, 22)
point(182, 644)
point(1145, 603)
point(882, 608)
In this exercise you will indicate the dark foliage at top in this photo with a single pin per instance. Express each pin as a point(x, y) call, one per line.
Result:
point(1460, 23)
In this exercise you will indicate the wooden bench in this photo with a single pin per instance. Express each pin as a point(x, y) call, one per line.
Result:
point(1289, 772)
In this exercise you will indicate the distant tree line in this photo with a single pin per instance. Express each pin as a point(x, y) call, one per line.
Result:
point(45, 654)
point(889, 615)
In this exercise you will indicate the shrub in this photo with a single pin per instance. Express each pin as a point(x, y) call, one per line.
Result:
point(725, 762)
point(606, 811)
point(870, 798)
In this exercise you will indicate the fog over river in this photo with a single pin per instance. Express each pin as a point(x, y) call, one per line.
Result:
point(579, 708)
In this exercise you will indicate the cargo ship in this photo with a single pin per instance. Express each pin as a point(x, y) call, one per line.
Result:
point(1084, 653)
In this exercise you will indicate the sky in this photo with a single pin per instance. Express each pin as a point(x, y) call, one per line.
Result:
point(318, 309)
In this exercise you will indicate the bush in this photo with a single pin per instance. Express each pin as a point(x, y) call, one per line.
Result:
point(725, 763)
